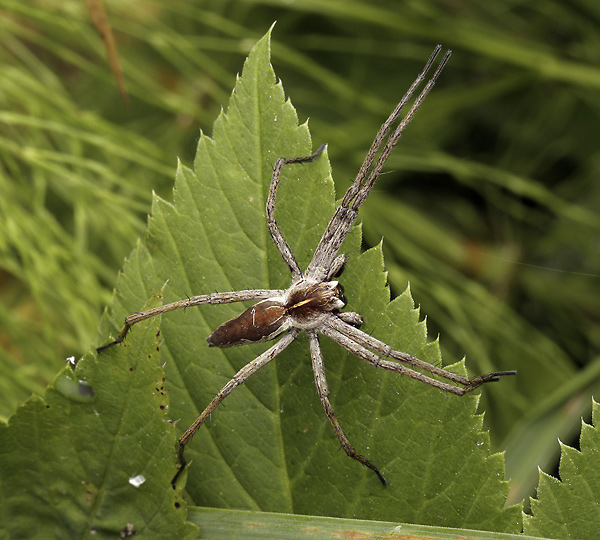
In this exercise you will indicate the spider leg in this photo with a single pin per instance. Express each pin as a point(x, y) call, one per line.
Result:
point(239, 378)
point(323, 389)
point(276, 234)
point(351, 317)
point(346, 213)
point(356, 341)
point(214, 298)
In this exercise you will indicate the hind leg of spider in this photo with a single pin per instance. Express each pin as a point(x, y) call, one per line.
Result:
point(323, 389)
point(349, 335)
point(239, 378)
point(357, 348)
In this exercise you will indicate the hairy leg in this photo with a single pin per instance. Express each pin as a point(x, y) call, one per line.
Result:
point(346, 213)
point(356, 341)
point(276, 234)
point(239, 378)
point(213, 298)
point(323, 389)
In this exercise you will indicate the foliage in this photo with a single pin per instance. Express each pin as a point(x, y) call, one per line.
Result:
point(269, 448)
point(93, 459)
point(492, 206)
point(229, 525)
point(570, 508)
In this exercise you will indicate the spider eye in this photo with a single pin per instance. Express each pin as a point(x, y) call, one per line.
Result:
point(339, 294)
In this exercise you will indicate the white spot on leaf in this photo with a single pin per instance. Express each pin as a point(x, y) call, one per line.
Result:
point(137, 481)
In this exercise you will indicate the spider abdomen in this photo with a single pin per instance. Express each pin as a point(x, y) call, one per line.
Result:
point(261, 322)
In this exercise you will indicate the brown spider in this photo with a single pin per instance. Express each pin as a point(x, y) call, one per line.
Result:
point(314, 300)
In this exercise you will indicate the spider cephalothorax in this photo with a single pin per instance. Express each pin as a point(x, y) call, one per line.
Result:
point(308, 302)
point(313, 301)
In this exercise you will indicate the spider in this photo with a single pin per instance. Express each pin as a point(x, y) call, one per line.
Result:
point(314, 300)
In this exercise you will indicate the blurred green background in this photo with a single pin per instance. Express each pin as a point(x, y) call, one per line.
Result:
point(490, 206)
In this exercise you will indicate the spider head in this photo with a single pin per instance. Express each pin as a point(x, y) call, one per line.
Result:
point(308, 302)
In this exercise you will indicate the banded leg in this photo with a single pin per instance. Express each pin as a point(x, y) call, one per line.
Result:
point(274, 229)
point(321, 382)
point(213, 298)
point(239, 378)
point(345, 215)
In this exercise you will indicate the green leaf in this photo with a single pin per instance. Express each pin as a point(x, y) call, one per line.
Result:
point(570, 507)
point(247, 525)
point(94, 457)
point(269, 446)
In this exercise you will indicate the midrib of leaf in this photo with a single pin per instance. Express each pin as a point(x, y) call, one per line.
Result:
point(260, 151)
